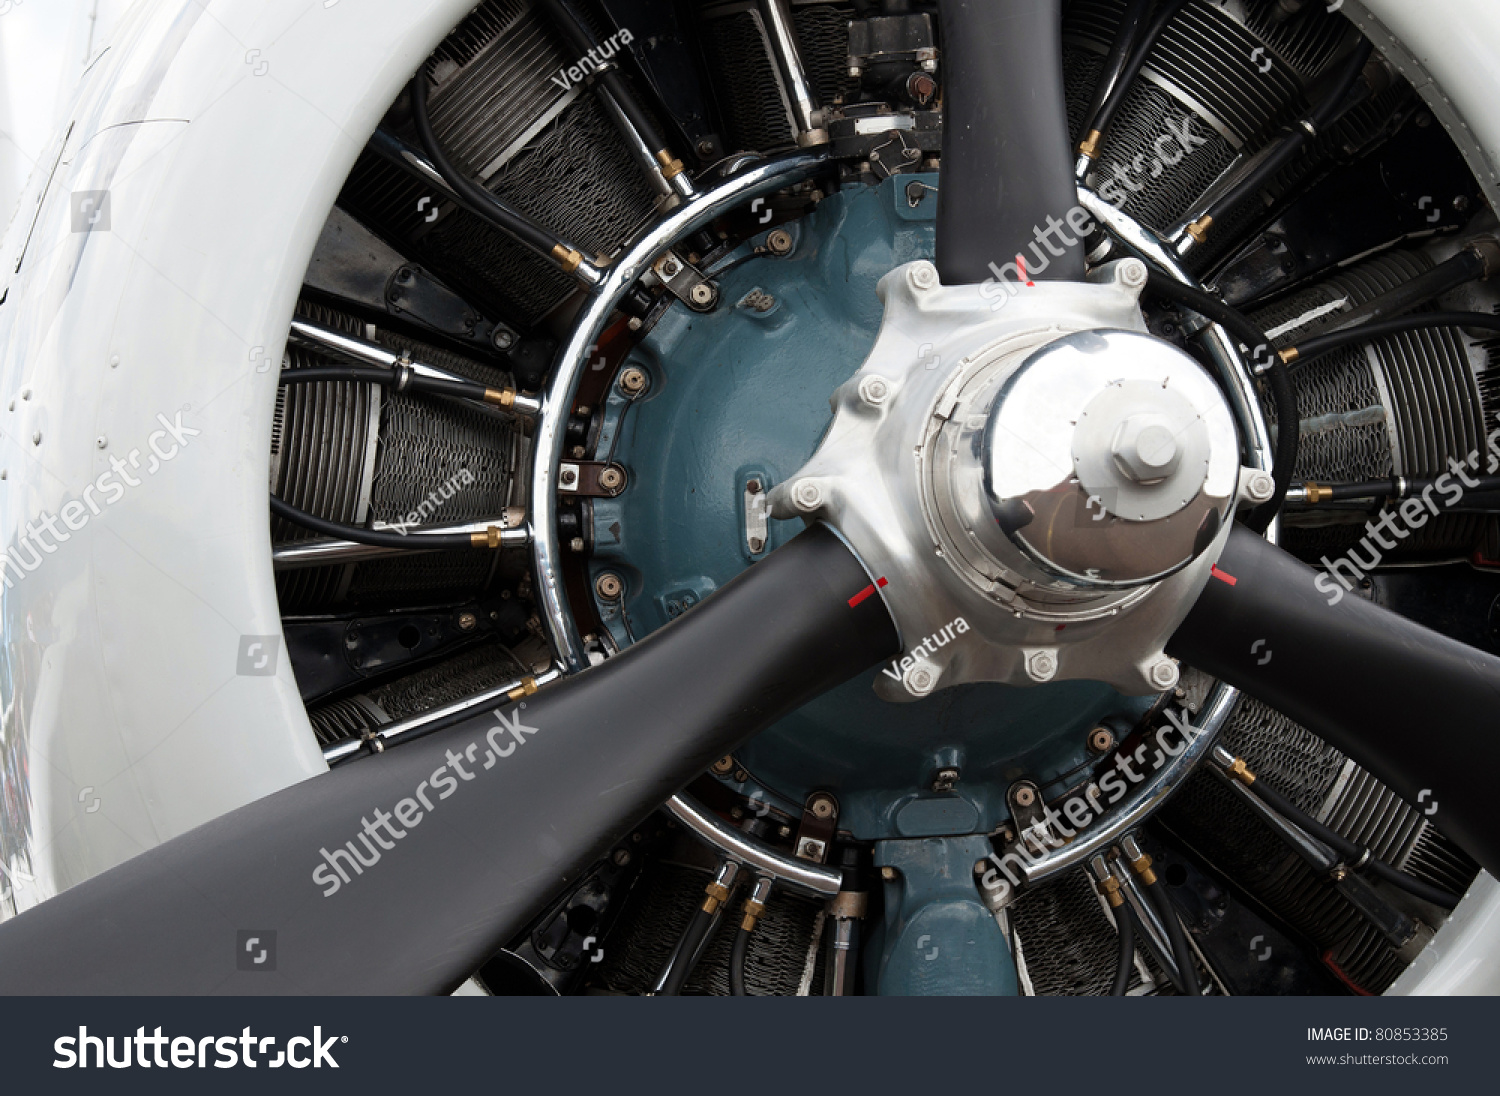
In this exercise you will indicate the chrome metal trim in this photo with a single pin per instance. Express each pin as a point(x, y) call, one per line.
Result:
point(799, 874)
point(781, 36)
point(1146, 798)
point(547, 448)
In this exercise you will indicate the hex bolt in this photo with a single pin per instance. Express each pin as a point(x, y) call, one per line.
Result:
point(888, 874)
point(633, 381)
point(807, 496)
point(922, 275)
point(702, 295)
point(822, 805)
point(669, 268)
point(568, 477)
point(608, 586)
point(503, 339)
point(611, 478)
point(779, 242)
point(1131, 273)
point(467, 622)
point(1041, 665)
point(920, 680)
point(874, 390)
point(705, 148)
point(1101, 740)
point(1260, 487)
point(1164, 673)
point(576, 544)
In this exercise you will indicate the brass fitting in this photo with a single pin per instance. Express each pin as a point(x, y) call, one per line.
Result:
point(1241, 772)
point(526, 688)
point(1088, 148)
point(1316, 493)
point(849, 904)
point(500, 397)
point(490, 538)
point(1198, 230)
point(718, 894)
point(753, 912)
point(1289, 355)
point(1110, 888)
point(1141, 865)
point(671, 166)
point(566, 257)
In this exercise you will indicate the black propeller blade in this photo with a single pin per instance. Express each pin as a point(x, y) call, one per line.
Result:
point(1419, 710)
point(464, 834)
point(1007, 162)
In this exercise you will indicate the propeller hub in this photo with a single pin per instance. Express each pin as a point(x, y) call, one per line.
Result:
point(1037, 467)
point(1110, 459)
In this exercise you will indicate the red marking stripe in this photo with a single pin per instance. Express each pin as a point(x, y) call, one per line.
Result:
point(1222, 576)
point(866, 592)
point(1021, 265)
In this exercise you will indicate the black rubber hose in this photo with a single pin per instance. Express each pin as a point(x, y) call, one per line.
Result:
point(1182, 954)
point(374, 374)
point(1322, 344)
point(687, 952)
point(572, 27)
point(1413, 707)
point(359, 374)
point(1127, 34)
point(1125, 924)
point(737, 958)
point(485, 203)
point(1394, 489)
point(1117, 95)
point(1007, 164)
point(1288, 417)
point(1349, 851)
point(377, 538)
point(570, 775)
point(1288, 147)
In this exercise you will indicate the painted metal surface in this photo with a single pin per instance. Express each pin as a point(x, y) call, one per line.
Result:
point(937, 937)
point(150, 274)
point(743, 393)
